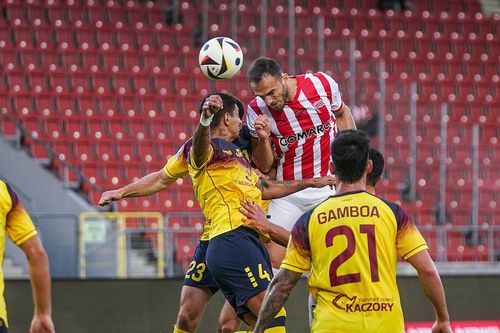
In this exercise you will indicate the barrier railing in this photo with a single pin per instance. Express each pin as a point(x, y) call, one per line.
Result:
point(149, 244)
point(121, 244)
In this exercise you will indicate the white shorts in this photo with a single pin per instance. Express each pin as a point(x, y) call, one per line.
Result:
point(287, 210)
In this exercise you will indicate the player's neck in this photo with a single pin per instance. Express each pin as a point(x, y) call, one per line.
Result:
point(220, 133)
point(344, 187)
point(291, 89)
point(370, 189)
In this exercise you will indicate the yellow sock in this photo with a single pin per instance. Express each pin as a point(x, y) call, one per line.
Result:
point(178, 330)
point(278, 323)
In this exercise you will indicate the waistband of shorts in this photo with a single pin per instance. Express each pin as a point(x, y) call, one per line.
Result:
point(247, 230)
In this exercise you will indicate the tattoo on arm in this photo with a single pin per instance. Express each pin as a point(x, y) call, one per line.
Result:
point(263, 184)
point(278, 189)
point(201, 144)
point(278, 292)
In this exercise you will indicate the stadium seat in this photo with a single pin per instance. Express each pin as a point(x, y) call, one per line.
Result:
point(133, 106)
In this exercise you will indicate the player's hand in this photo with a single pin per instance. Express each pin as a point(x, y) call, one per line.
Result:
point(321, 181)
point(110, 196)
point(212, 105)
point(262, 126)
point(441, 326)
point(42, 323)
point(255, 216)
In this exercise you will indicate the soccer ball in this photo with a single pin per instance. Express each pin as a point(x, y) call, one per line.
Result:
point(220, 58)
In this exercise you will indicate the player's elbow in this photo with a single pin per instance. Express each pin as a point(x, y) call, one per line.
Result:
point(267, 194)
point(263, 165)
point(36, 254)
point(428, 272)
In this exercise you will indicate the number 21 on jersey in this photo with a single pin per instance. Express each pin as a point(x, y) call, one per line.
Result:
point(349, 251)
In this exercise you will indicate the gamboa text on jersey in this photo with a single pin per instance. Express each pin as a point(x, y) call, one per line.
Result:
point(318, 130)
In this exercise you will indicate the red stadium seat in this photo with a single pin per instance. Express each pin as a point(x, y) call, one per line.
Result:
point(130, 107)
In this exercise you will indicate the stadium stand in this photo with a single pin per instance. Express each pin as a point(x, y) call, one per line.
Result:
point(112, 88)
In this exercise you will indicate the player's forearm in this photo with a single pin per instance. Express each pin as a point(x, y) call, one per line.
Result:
point(277, 293)
point(201, 144)
point(40, 280)
point(345, 120)
point(150, 184)
point(273, 189)
point(278, 234)
point(433, 288)
point(263, 155)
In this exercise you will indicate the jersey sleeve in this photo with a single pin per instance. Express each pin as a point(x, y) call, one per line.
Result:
point(332, 91)
point(19, 226)
point(298, 252)
point(177, 166)
point(409, 241)
point(251, 116)
point(199, 167)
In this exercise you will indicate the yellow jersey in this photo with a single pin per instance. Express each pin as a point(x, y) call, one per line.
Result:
point(221, 184)
point(177, 167)
point(16, 223)
point(349, 244)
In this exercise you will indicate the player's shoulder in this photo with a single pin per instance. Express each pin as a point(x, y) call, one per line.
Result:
point(221, 144)
point(5, 187)
point(255, 105)
point(320, 80)
point(184, 149)
point(395, 207)
point(7, 194)
point(318, 75)
point(400, 215)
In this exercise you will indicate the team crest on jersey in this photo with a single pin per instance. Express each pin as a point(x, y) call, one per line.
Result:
point(318, 105)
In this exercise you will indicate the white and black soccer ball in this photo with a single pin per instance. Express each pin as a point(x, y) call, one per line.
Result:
point(220, 58)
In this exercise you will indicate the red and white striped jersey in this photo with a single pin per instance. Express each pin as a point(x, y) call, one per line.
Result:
point(304, 129)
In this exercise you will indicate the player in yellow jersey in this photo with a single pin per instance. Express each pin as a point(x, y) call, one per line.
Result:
point(349, 246)
point(256, 217)
point(16, 223)
point(223, 178)
point(195, 292)
point(198, 285)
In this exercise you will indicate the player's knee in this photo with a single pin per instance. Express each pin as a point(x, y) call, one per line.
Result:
point(228, 325)
point(188, 319)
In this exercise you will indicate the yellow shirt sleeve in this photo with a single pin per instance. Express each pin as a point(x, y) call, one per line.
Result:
point(298, 253)
point(409, 241)
point(19, 226)
point(295, 261)
point(176, 166)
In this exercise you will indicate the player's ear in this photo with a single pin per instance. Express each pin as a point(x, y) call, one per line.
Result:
point(332, 168)
point(227, 116)
point(369, 166)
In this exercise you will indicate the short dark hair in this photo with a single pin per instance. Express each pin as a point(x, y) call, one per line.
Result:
point(378, 167)
point(228, 103)
point(350, 151)
point(263, 66)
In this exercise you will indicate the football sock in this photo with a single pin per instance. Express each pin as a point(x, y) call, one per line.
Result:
point(278, 323)
point(178, 330)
